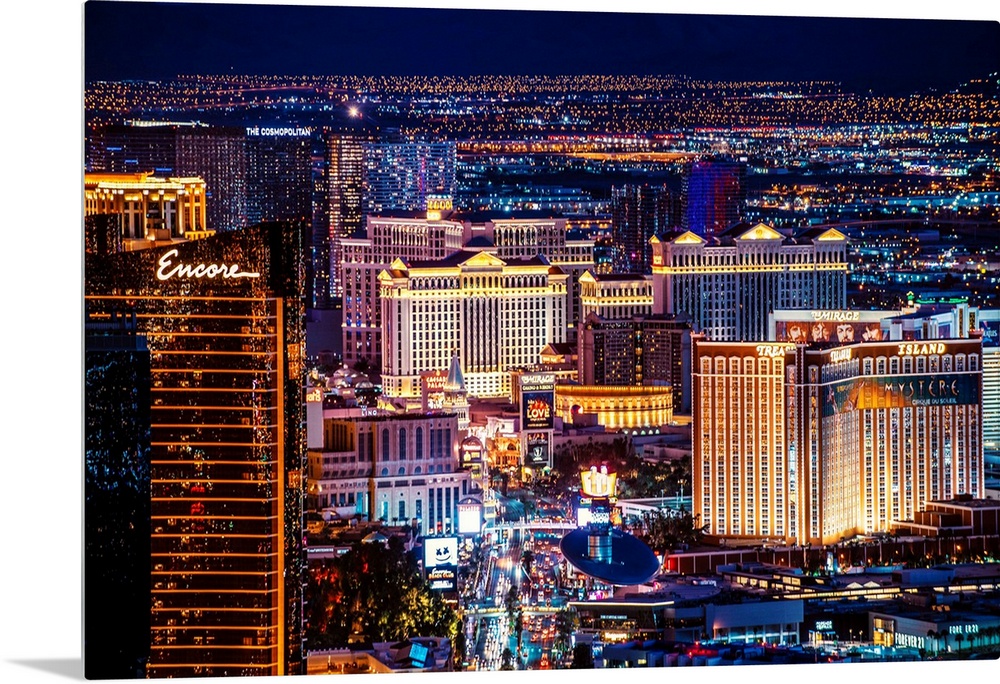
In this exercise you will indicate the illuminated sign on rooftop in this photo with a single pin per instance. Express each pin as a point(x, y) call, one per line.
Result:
point(279, 131)
point(913, 349)
point(772, 350)
point(168, 269)
point(598, 483)
point(837, 316)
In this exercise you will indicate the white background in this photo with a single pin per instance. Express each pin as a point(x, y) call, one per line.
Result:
point(41, 269)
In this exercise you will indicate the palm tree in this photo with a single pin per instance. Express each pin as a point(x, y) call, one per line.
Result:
point(527, 560)
point(933, 635)
point(959, 638)
point(990, 633)
point(507, 659)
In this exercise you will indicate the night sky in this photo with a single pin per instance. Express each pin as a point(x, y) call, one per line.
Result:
point(161, 40)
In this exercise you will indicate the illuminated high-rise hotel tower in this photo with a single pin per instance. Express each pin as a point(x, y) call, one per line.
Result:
point(400, 175)
point(223, 319)
point(116, 501)
point(338, 211)
point(439, 233)
point(713, 195)
point(494, 314)
point(638, 212)
point(810, 444)
point(729, 285)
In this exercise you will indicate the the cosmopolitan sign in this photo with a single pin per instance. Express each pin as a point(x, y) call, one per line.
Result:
point(279, 131)
point(169, 268)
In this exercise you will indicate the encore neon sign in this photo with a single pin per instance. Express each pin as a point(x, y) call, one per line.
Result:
point(168, 269)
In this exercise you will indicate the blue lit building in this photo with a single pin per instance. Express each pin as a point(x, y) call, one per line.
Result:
point(713, 193)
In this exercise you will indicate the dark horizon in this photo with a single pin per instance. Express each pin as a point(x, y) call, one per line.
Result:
point(884, 55)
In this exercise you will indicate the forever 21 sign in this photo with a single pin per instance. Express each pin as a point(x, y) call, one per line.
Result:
point(169, 269)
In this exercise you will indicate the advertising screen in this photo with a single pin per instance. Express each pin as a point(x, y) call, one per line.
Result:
point(439, 551)
point(900, 391)
point(536, 449)
point(442, 578)
point(536, 410)
point(441, 562)
point(991, 333)
point(845, 332)
point(432, 388)
point(470, 518)
point(471, 451)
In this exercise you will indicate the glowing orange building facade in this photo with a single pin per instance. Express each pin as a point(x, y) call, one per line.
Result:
point(152, 208)
point(812, 444)
point(223, 318)
point(616, 407)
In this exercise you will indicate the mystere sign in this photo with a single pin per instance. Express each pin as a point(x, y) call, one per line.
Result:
point(900, 391)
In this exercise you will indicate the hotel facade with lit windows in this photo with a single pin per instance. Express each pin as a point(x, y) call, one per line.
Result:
point(434, 235)
point(151, 208)
point(615, 296)
point(414, 238)
point(496, 315)
point(812, 444)
point(729, 284)
point(641, 350)
point(398, 468)
point(223, 319)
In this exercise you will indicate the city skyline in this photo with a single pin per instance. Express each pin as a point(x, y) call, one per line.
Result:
point(66, 488)
point(882, 54)
point(503, 298)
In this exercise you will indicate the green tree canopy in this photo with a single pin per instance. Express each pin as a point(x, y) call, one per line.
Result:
point(373, 590)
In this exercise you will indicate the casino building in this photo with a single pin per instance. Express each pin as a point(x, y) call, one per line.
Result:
point(399, 468)
point(809, 444)
point(615, 296)
point(641, 350)
point(730, 284)
point(223, 321)
point(151, 208)
point(410, 237)
point(497, 314)
point(440, 233)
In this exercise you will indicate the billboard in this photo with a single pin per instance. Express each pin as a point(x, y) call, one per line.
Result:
point(991, 332)
point(441, 562)
point(900, 391)
point(536, 449)
point(471, 452)
point(440, 551)
point(432, 388)
point(537, 410)
point(844, 332)
point(470, 518)
point(537, 397)
point(583, 512)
